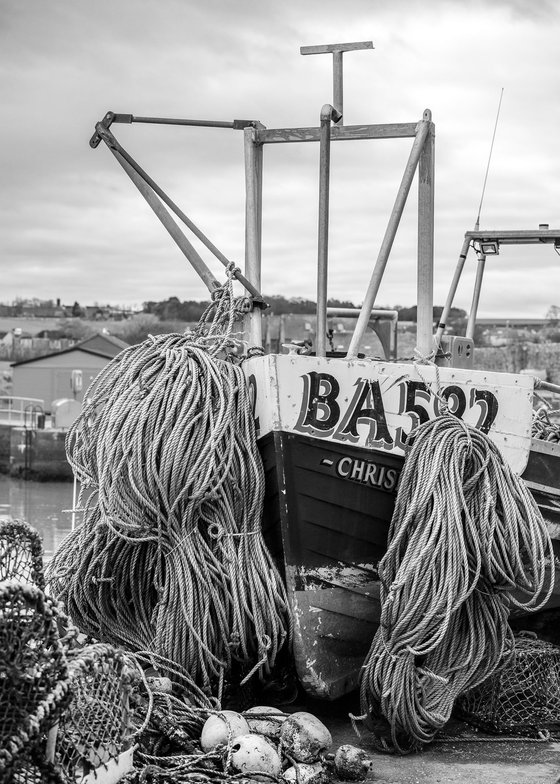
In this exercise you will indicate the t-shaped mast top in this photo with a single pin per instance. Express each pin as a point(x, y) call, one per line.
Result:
point(337, 50)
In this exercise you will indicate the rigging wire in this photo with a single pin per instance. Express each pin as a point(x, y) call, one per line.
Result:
point(477, 224)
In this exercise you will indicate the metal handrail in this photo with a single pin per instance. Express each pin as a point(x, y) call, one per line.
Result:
point(477, 239)
point(13, 407)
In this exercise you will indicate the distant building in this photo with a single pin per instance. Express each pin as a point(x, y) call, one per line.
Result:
point(35, 308)
point(97, 312)
point(42, 310)
point(505, 331)
point(106, 313)
point(513, 323)
point(17, 345)
point(14, 336)
point(379, 339)
point(103, 342)
point(67, 373)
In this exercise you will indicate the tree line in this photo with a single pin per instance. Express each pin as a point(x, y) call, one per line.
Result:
point(172, 309)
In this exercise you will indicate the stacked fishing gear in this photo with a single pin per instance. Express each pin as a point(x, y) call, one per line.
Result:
point(466, 544)
point(169, 560)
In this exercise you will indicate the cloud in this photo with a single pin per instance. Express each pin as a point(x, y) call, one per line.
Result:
point(73, 222)
point(544, 11)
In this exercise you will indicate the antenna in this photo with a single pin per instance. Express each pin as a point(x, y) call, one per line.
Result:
point(477, 224)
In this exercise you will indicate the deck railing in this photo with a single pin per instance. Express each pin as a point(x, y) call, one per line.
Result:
point(20, 410)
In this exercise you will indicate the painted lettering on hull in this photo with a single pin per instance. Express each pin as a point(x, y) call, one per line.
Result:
point(365, 472)
point(323, 413)
point(319, 410)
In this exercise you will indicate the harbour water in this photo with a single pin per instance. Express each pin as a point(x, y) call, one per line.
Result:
point(47, 506)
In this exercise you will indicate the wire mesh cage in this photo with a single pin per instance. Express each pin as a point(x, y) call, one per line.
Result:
point(34, 680)
point(21, 553)
point(93, 731)
point(521, 698)
point(34, 768)
point(63, 712)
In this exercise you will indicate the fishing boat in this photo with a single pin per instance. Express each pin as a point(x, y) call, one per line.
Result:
point(332, 426)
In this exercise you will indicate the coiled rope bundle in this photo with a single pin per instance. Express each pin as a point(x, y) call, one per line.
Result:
point(169, 558)
point(467, 542)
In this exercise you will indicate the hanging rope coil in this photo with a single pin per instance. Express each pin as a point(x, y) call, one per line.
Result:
point(466, 543)
point(170, 558)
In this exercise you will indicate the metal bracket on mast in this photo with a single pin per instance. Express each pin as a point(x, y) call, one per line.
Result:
point(113, 117)
point(337, 51)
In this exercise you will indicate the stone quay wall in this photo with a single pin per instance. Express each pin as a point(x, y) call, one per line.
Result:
point(33, 454)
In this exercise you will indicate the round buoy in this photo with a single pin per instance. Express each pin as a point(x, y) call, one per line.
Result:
point(219, 728)
point(351, 763)
point(304, 737)
point(253, 753)
point(160, 685)
point(306, 773)
point(268, 721)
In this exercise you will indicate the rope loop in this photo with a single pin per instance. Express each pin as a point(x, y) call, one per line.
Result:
point(265, 644)
point(232, 269)
point(243, 305)
point(218, 294)
point(433, 675)
point(255, 351)
point(215, 531)
point(429, 359)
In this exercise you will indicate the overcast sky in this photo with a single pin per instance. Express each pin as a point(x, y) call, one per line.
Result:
point(74, 226)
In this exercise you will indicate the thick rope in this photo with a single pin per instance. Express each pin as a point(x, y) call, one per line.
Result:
point(466, 543)
point(169, 558)
point(543, 427)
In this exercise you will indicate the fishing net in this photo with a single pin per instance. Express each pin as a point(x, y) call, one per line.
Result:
point(21, 553)
point(522, 697)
